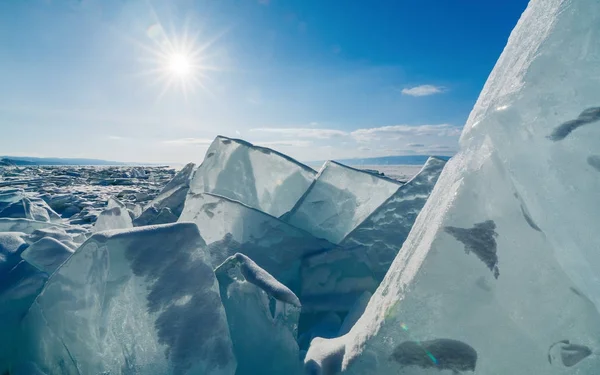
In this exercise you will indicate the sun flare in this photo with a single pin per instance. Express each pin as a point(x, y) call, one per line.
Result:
point(178, 61)
point(180, 65)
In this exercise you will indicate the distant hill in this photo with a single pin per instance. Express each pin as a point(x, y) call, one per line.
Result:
point(26, 160)
point(386, 160)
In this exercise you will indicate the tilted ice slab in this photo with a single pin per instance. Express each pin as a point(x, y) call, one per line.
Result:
point(47, 254)
point(141, 301)
point(113, 218)
point(263, 318)
point(169, 203)
point(230, 227)
point(26, 225)
point(256, 176)
point(499, 274)
point(19, 286)
point(365, 255)
point(339, 199)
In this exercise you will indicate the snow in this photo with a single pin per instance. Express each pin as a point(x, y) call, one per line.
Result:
point(47, 254)
point(339, 200)
point(144, 300)
point(230, 227)
point(259, 177)
point(255, 275)
point(499, 272)
point(263, 318)
point(12, 245)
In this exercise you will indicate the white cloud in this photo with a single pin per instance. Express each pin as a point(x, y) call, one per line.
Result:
point(189, 141)
point(115, 138)
point(423, 90)
point(289, 143)
point(401, 131)
point(303, 132)
point(415, 145)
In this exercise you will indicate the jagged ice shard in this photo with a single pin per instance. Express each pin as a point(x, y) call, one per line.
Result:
point(263, 318)
point(256, 176)
point(333, 280)
point(499, 274)
point(137, 301)
point(230, 227)
point(338, 200)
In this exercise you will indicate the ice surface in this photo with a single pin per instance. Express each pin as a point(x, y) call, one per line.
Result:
point(113, 218)
point(47, 254)
point(167, 206)
point(229, 227)
point(18, 288)
point(137, 301)
point(256, 176)
point(499, 273)
point(355, 313)
point(366, 253)
point(25, 225)
point(263, 318)
point(339, 200)
point(12, 245)
point(27, 208)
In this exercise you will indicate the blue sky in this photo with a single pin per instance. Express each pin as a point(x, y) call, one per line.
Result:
point(312, 78)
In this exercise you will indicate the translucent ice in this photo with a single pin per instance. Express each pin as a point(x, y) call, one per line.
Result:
point(113, 218)
point(25, 225)
point(138, 301)
point(339, 200)
point(167, 206)
point(256, 176)
point(366, 253)
point(19, 286)
point(263, 318)
point(46, 254)
point(499, 273)
point(230, 227)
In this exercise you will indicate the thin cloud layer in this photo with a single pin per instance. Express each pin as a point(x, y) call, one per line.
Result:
point(302, 132)
point(189, 141)
point(405, 131)
point(423, 90)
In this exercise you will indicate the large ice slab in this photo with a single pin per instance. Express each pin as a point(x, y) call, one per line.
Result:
point(141, 301)
point(339, 200)
point(499, 273)
point(361, 261)
point(256, 176)
point(47, 254)
point(230, 227)
point(19, 286)
point(113, 218)
point(263, 318)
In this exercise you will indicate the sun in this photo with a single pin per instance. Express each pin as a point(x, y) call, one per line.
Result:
point(180, 65)
point(178, 61)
